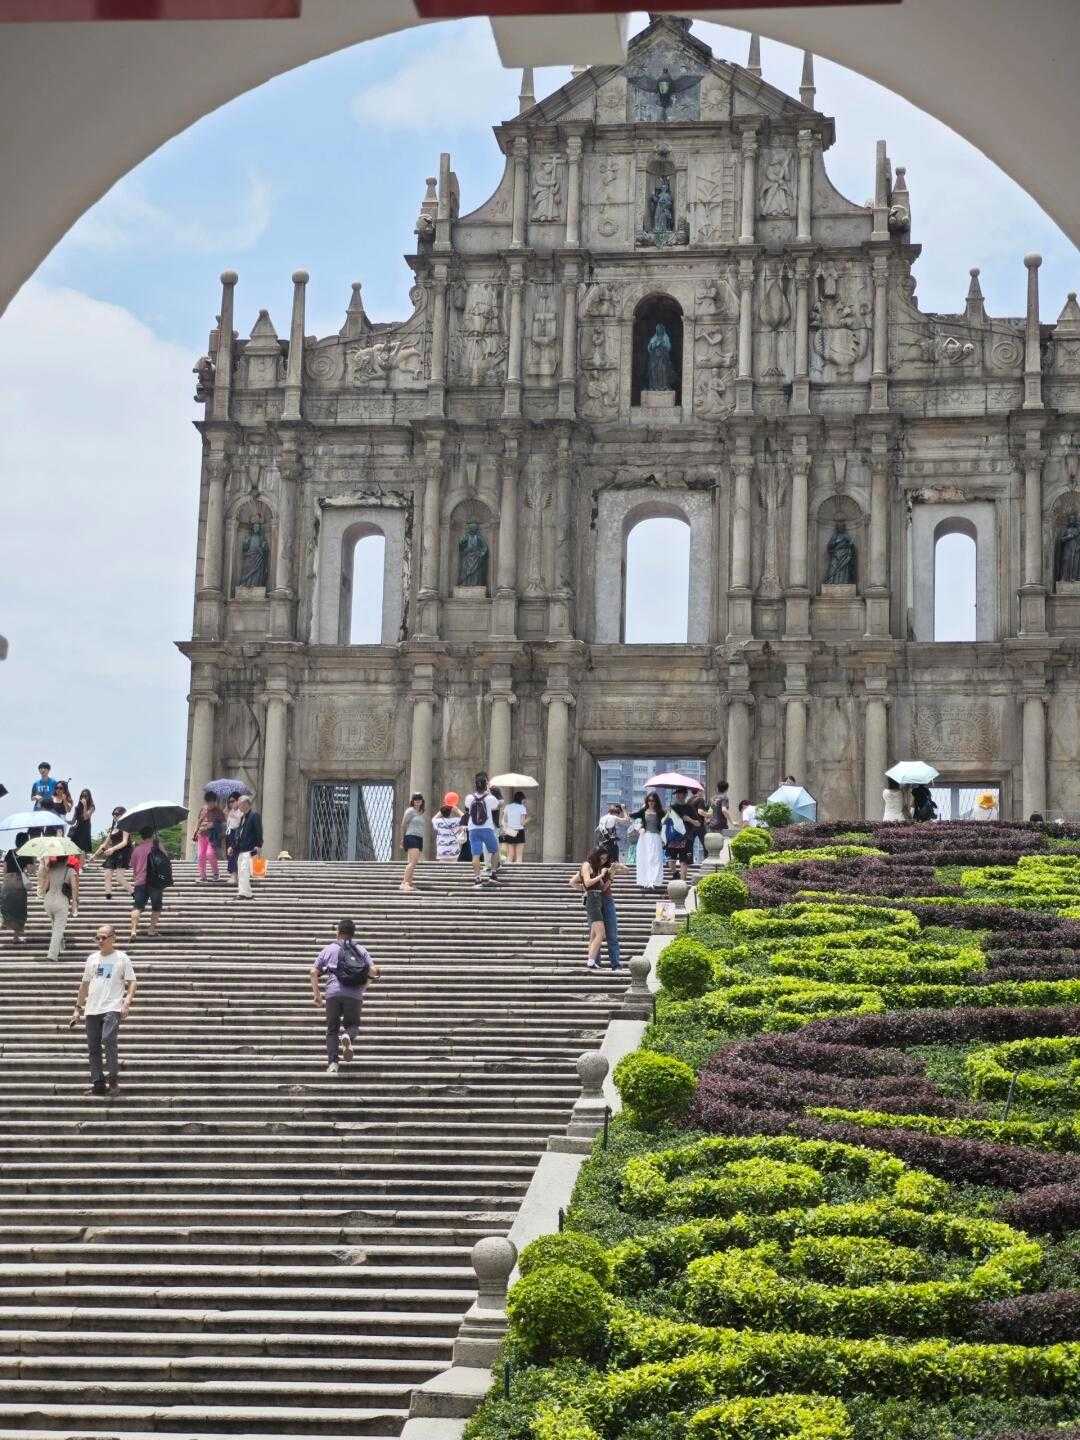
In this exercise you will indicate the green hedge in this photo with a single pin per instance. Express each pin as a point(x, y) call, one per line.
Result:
point(567, 1247)
point(778, 1417)
point(654, 1088)
point(721, 893)
point(749, 841)
point(558, 1312)
point(685, 968)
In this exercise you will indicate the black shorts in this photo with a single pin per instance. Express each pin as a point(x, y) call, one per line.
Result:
point(678, 852)
point(120, 861)
point(414, 842)
point(141, 895)
point(513, 837)
point(594, 905)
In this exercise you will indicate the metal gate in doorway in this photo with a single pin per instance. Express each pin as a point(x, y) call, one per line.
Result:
point(352, 820)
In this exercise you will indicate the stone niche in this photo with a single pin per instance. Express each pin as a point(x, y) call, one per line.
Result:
point(618, 512)
point(341, 526)
point(930, 522)
point(656, 310)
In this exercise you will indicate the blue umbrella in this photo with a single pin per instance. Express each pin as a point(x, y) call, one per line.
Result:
point(32, 822)
point(222, 789)
point(799, 801)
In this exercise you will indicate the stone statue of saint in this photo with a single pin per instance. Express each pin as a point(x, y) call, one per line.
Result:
point(254, 558)
point(662, 212)
point(472, 557)
point(842, 557)
point(1068, 550)
point(659, 369)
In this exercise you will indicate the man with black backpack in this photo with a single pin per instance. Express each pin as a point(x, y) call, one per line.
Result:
point(348, 968)
point(151, 876)
point(481, 808)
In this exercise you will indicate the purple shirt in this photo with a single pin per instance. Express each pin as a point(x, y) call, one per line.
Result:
point(139, 857)
point(326, 965)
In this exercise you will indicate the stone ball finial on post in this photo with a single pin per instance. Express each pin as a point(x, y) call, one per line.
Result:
point(640, 969)
point(592, 1069)
point(493, 1259)
point(677, 891)
point(714, 850)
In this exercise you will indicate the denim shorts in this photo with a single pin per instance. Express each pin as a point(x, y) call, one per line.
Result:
point(481, 840)
point(414, 842)
point(142, 893)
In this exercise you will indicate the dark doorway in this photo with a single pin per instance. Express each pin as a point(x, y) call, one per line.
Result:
point(657, 310)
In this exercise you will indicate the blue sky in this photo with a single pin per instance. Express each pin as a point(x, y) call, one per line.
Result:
point(324, 169)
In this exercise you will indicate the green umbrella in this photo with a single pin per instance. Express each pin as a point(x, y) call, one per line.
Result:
point(46, 846)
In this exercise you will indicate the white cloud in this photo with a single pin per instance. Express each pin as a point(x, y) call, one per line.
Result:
point(450, 80)
point(127, 220)
point(99, 467)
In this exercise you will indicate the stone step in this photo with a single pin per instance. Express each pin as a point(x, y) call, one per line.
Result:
point(344, 1299)
point(270, 1419)
point(244, 1325)
point(205, 1347)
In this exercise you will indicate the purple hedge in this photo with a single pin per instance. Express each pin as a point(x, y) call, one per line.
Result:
point(1041, 1319)
point(1046, 1210)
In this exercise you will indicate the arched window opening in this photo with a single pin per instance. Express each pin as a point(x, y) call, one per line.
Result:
point(955, 582)
point(656, 588)
point(660, 371)
point(364, 577)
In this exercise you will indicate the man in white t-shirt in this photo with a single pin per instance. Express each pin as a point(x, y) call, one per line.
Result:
point(481, 807)
point(105, 996)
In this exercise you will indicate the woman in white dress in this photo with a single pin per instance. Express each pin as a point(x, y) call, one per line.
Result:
point(894, 798)
point(650, 847)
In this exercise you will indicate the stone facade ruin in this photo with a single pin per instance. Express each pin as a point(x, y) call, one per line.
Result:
point(808, 397)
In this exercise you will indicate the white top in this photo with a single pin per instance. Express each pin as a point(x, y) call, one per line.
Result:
point(447, 831)
point(492, 808)
point(514, 815)
point(749, 814)
point(894, 804)
point(107, 977)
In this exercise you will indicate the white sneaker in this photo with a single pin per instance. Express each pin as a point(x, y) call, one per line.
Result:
point(331, 1069)
point(346, 1048)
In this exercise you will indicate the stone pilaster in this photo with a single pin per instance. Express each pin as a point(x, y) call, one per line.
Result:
point(210, 596)
point(1032, 348)
point(879, 380)
point(573, 191)
point(875, 749)
point(1034, 755)
point(504, 610)
point(512, 393)
point(749, 186)
point(795, 725)
point(429, 540)
point(437, 381)
point(568, 361)
point(203, 700)
point(877, 591)
point(740, 615)
point(797, 604)
point(520, 153)
point(744, 380)
point(800, 389)
point(422, 695)
point(560, 607)
point(803, 223)
point(283, 595)
point(1033, 590)
point(294, 372)
point(219, 409)
point(275, 751)
point(502, 700)
point(740, 709)
point(558, 701)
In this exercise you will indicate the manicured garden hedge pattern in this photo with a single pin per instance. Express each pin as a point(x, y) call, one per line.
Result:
point(867, 1247)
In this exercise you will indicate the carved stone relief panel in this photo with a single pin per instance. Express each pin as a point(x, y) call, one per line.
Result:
point(774, 312)
point(387, 360)
point(666, 87)
point(712, 199)
point(542, 349)
point(776, 192)
point(611, 102)
point(607, 178)
point(339, 729)
point(548, 189)
point(716, 345)
point(599, 368)
point(615, 717)
point(958, 730)
point(478, 340)
point(839, 320)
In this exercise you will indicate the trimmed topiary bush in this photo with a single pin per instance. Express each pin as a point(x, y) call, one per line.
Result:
point(685, 968)
point(752, 840)
point(654, 1087)
point(772, 1417)
point(721, 893)
point(558, 1312)
point(567, 1247)
point(776, 815)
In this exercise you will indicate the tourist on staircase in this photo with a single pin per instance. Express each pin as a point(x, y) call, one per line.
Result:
point(481, 807)
point(447, 824)
point(116, 849)
point(413, 825)
point(595, 879)
point(514, 816)
point(233, 816)
point(13, 893)
point(348, 969)
point(44, 788)
point(79, 834)
point(151, 875)
point(105, 996)
point(720, 810)
point(209, 829)
point(247, 842)
point(650, 845)
point(52, 877)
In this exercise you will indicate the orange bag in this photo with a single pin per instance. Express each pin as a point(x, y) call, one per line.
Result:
point(258, 866)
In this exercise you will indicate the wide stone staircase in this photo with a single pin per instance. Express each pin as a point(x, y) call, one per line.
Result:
point(239, 1243)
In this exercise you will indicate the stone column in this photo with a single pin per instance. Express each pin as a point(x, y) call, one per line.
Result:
point(284, 592)
point(875, 754)
point(738, 746)
point(556, 756)
point(568, 363)
point(1032, 348)
point(877, 592)
point(219, 410)
point(512, 394)
point(504, 610)
point(739, 609)
point(749, 186)
point(499, 748)
point(1033, 592)
point(423, 729)
point(795, 738)
point(429, 541)
point(520, 152)
point(275, 749)
point(744, 381)
point(797, 609)
point(800, 390)
point(437, 383)
point(1034, 756)
point(806, 180)
point(294, 372)
point(201, 754)
point(573, 191)
point(879, 381)
point(559, 607)
point(214, 534)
